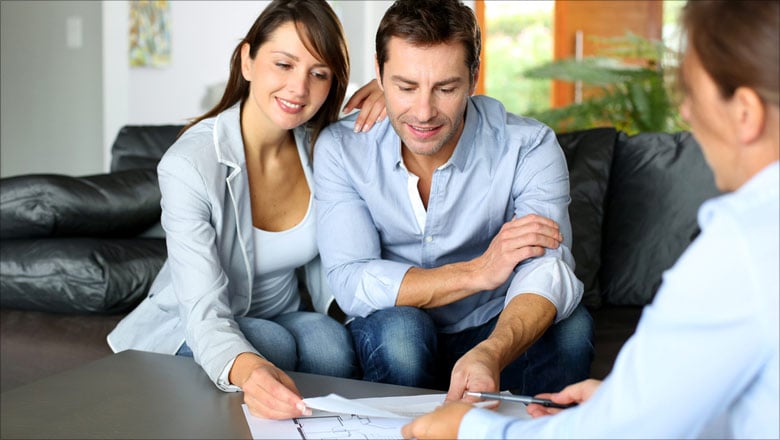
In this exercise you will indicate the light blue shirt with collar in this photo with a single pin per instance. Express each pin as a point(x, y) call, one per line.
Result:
point(503, 166)
point(208, 277)
point(704, 359)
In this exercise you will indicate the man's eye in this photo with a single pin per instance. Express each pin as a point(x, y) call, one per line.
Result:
point(447, 91)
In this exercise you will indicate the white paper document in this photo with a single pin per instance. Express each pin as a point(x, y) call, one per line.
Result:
point(390, 407)
point(335, 417)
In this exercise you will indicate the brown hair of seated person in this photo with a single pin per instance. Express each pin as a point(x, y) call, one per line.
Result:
point(320, 31)
point(403, 19)
point(748, 54)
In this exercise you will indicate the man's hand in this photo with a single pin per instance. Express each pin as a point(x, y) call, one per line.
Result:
point(268, 392)
point(522, 322)
point(442, 423)
point(576, 393)
point(371, 101)
point(477, 370)
point(518, 240)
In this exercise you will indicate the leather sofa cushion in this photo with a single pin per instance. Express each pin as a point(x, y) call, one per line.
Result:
point(78, 275)
point(589, 158)
point(142, 146)
point(657, 184)
point(121, 204)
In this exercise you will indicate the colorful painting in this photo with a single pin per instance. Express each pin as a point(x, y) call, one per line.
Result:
point(150, 33)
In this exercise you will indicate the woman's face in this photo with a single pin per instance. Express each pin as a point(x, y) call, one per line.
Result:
point(709, 117)
point(288, 84)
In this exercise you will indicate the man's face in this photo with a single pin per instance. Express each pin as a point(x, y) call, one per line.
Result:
point(426, 90)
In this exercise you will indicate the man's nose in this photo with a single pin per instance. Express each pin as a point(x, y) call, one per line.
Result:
point(425, 108)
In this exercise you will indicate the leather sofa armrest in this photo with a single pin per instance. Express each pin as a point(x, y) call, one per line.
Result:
point(121, 204)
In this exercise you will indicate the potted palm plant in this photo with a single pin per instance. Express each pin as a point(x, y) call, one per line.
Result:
point(633, 97)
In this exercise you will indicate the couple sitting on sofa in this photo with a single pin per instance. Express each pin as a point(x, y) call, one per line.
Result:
point(444, 231)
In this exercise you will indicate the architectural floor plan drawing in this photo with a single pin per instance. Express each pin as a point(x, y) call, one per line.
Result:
point(323, 425)
point(349, 427)
point(335, 417)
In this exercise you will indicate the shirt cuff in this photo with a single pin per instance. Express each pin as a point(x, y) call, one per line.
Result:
point(378, 288)
point(483, 423)
point(223, 381)
point(550, 278)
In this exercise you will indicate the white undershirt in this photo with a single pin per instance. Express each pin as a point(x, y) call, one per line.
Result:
point(277, 255)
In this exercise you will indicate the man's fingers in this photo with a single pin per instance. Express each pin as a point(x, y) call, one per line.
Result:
point(517, 227)
point(535, 218)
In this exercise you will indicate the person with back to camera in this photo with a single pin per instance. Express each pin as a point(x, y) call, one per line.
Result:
point(238, 216)
point(703, 361)
point(448, 239)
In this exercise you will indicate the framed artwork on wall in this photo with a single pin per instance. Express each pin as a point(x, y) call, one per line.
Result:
point(150, 33)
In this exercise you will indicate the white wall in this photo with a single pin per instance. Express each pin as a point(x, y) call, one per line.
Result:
point(203, 36)
point(62, 106)
point(50, 87)
point(201, 49)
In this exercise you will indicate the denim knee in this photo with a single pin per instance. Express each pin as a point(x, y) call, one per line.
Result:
point(574, 337)
point(572, 341)
point(271, 340)
point(324, 345)
point(396, 345)
point(562, 356)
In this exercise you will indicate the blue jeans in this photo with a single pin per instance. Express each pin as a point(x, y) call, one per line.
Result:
point(300, 341)
point(400, 345)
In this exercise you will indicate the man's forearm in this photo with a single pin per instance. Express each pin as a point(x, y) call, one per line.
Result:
point(427, 288)
point(523, 321)
point(516, 241)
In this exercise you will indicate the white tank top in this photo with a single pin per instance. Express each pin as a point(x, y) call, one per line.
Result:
point(277, 255)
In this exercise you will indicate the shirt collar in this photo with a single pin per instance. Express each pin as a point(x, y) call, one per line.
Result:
point(755, 187)
point(229, 141)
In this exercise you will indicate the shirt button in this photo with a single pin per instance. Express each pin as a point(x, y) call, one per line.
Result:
point(428, 239)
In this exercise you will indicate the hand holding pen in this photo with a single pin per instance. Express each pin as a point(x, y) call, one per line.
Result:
point(577, 393)
point(518, 398)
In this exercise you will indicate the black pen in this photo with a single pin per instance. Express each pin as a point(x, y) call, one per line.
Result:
point(523, 399)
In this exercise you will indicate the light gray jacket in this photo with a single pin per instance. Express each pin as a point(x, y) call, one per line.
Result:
point(207, 279)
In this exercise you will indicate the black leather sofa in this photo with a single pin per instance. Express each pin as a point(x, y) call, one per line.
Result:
point(77, 253)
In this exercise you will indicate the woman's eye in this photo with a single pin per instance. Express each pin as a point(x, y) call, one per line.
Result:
point(283, 66)
point(320, 75)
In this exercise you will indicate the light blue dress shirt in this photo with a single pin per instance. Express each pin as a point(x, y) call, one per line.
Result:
point(369, 234)
point(704, 359)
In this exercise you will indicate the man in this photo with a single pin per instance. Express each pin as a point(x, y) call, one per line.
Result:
point(444, 230)
point(703, 362)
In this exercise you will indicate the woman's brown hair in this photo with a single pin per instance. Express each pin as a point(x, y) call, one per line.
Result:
point(737, 43)
point(320, 31)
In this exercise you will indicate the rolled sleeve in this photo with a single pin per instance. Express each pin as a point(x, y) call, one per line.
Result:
point(550, 278)
point(378, 277)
